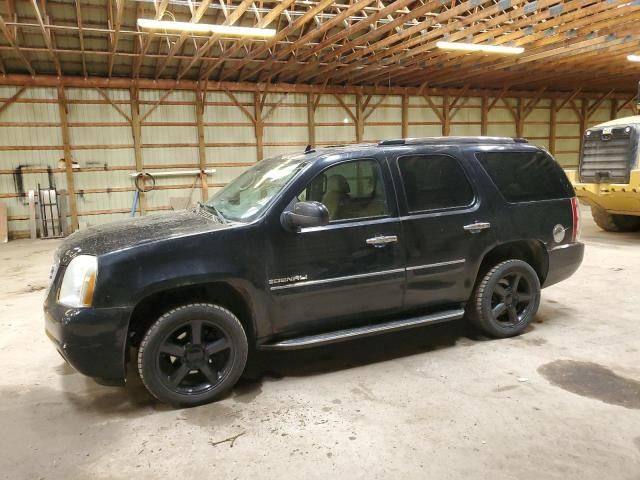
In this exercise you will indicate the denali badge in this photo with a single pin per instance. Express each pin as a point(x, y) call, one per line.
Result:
point(294, 278)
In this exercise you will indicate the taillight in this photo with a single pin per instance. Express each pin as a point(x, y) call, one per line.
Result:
point(575, 210)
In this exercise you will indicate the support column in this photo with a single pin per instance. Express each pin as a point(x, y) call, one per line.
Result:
point(259, 125)
point(614, 109)
point(68, 160)
point(553, 113)
point(359, 118)
point(484, 116)
point(446, 116)
point(405, 115)
point(311, 119)
point(202, 153)
point(520, 117)
point(136, 133)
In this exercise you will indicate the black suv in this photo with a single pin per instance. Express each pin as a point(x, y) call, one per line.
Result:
point(316, 247)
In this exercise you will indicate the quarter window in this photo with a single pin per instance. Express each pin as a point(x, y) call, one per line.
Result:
point(434, 182)
point(349, 190)
point(525, 176)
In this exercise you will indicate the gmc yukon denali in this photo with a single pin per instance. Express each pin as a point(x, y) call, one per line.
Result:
point(316, 247)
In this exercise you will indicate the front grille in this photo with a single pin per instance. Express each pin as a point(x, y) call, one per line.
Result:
point(607, 155)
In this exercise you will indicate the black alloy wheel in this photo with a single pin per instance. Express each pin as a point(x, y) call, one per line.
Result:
point(506, 299)
point(193, 354)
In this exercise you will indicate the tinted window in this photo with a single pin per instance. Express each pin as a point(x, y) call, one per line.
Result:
point(434, 182)
point(525, 176)
point(349, 190)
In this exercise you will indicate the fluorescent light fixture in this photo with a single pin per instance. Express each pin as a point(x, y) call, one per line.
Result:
point(478, 47)
point(205, 28)
point(633, 58)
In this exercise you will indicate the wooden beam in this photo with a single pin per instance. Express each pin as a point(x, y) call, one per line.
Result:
point(232, 18)
point(553, 114)
point(104, 95)
point(195, 18)
point(81, 37)
point(446, 116)
point(155, 105)
point(168, 84)
point(258, 102)
point(311, 118)
point(136, 133)
point(266, 21)
point(47, 36)
point(12, 99)
point(405, 116)
point(148, 38)
point(116, 35)
point(202, 151)
point(568, 99)
point(359, 118)
point(596, 104)
point(68, 159)
point(14, 46)
point(484, 116)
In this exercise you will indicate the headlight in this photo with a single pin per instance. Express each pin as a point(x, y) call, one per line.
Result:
point(79, 282)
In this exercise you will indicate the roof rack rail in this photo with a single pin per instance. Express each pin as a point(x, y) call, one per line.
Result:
point(453, 140)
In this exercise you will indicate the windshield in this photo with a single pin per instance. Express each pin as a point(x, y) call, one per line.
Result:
point(246, 197)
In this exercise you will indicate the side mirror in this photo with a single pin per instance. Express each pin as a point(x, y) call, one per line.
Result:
point(305, 214)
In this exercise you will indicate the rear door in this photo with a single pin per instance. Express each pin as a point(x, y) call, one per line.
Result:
point(446, 223)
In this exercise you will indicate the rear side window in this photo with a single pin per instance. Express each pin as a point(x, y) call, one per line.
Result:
point(525, 176)
point(434, 182)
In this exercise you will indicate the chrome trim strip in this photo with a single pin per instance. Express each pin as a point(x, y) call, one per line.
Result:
point(434, 265)
point(336, 279)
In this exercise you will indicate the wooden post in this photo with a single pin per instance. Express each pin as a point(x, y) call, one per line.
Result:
point(584, 118)
point(68, 160)
point(446, 116)
point(359, 118)
point(4, 224)
point(259, 125)
point(484, 116)
point(311, 119)
point(520, 117)
point(136, 132)
point(202, 153)
point(553, 113)
point(614, 109)
point(405, 115)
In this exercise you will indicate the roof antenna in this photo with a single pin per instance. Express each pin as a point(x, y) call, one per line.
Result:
point(308, 149)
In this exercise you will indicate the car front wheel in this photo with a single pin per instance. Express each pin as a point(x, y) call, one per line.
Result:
point(193, 354)
point(506, 299)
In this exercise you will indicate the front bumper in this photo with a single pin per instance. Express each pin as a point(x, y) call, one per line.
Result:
point(91, 340)
point(564, 260)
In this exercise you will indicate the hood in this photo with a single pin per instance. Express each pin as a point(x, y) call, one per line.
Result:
point(133, 232)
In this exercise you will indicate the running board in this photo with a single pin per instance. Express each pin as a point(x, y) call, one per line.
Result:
point(359, 332)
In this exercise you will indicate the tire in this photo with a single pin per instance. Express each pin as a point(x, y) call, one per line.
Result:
point(193, 354)
point(495, 288)
point(614, 223)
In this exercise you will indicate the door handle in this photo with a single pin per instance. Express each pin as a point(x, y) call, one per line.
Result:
point(382, 240)
point(477, 227)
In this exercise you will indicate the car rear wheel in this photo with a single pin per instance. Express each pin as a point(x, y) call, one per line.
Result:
point(614, 223)
point(506, 299)
point(193, 354)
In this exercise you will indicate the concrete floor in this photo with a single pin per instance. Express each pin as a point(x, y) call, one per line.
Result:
point(561, 401)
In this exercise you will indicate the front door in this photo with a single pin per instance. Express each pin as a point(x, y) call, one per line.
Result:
point(447, 228)
point(346, 272)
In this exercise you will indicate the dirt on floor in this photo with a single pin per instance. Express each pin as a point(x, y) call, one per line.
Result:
point(442, 402)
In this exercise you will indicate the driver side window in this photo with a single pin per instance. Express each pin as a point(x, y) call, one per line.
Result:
point(349, 190)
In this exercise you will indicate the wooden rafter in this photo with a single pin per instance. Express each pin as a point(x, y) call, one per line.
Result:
point(116, 34)
point(46, 34)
